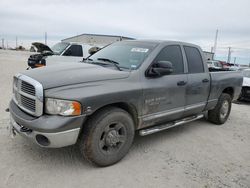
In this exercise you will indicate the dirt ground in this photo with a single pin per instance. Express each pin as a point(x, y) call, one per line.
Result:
point(198, 154)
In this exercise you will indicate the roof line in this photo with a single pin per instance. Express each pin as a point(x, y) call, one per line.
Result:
point(98, 35)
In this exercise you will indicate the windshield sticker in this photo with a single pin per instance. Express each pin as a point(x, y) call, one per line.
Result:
point(133, 66)
point(142, 50)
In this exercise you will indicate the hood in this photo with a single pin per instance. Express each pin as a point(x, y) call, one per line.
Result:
point(41, 47)
point(246, 81)
point(75, 73)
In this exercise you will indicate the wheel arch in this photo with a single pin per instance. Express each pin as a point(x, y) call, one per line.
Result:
point(230, 91)
point(130, 108)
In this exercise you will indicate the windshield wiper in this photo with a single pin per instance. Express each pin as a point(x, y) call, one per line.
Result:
point(86, 59)
point(110, 61)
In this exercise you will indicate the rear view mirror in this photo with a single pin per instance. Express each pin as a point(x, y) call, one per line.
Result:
point(160, 68)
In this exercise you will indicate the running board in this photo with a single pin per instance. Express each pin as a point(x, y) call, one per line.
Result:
point(158, 128)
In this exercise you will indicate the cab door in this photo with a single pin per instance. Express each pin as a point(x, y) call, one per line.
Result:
point(198, 87)
point(164, 97)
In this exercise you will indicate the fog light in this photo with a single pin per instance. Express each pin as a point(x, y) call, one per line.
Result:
point(42, 140)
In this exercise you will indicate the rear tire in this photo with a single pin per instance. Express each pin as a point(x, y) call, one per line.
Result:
point(107, 136)
point(220, 113)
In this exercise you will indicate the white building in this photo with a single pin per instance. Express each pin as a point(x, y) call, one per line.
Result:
point(96, 39)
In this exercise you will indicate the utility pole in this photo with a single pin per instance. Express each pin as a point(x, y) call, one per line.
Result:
point(3, 43)
point(16, 43)
point(229, 55)
point(45, 38)
point(215, 41)
point(235, 61)
point(212, 49)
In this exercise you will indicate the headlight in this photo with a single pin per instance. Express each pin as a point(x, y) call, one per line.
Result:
point(62, 107)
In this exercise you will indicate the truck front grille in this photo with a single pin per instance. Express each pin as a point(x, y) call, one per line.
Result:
point(28, 88)
point(28, 103)
point(28, 94)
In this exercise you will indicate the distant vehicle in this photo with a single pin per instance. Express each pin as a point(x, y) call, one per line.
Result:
point(214, 64)
point(142, 85)
point(245, 91)
point(70, 50)
point(59, 53)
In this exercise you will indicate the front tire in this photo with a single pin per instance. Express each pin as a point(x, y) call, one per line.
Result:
point(107, 136)
point(220, 113)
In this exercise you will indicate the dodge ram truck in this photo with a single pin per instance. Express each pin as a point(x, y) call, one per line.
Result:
point(142, 85)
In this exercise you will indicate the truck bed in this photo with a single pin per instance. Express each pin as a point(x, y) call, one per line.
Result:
point(220, 80)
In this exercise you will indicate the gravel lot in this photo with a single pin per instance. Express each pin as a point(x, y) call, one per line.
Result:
point(198, 154)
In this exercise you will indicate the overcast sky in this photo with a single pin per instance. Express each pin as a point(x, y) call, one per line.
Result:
point(185, 20)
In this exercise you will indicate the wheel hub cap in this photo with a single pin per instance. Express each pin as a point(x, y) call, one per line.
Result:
point(112, 138)
point(224, 109)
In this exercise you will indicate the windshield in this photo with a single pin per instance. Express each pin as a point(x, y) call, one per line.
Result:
point(59, 47)
point(128, 55)
point(246, 73)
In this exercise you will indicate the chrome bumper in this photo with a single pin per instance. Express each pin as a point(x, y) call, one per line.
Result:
point(48, 140)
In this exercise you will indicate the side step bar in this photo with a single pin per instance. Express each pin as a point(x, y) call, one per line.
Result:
point(158, 128)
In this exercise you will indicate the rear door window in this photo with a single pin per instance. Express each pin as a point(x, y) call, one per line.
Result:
point(194, 60)
point(173, 54)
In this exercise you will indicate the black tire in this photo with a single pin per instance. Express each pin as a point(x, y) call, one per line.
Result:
point(107, 136)
point(219, 114)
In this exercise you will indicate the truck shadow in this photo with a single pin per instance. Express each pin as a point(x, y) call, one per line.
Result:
point(242, 102)
point(70, 157)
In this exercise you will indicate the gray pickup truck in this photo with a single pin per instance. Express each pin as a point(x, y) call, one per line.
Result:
point(98, 104)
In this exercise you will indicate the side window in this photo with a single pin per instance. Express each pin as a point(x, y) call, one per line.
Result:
point(194, 60)
point(173, 54)
point(74, 50)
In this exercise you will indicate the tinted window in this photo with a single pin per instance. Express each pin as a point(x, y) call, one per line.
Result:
point(173, 54)
point(194, 59)
point(74, 50)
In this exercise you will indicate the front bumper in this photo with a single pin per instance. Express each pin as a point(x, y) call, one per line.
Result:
point(48, 130)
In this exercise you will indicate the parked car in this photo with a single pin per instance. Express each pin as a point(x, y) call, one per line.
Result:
point(245, 92)
point(212, 64)
point(62, 52)
point(140, 85)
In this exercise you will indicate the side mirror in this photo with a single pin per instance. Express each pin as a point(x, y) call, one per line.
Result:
point(160, 68)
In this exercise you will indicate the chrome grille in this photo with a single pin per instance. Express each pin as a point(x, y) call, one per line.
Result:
point(28, 88)
point(28, 103)
point(28, 94)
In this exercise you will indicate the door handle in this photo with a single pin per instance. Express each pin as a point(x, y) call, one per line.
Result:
point(181, 83)
point(205, 80)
